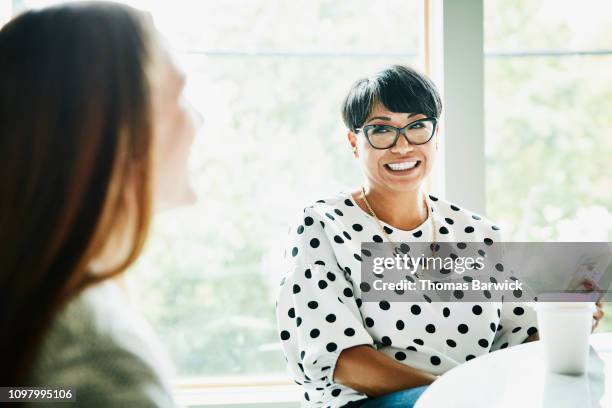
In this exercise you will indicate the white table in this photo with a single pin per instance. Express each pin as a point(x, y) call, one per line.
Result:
point(516, 377)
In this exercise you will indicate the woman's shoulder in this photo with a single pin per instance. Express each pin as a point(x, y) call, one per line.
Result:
point(330, 206)
point(99, 345)
point(313, 229)
point(317, 214)
point(459, 216)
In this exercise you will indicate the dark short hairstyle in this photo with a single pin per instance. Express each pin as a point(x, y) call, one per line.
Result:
point(398, 88)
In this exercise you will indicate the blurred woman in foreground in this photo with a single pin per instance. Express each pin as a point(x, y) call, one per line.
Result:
point(94, 138)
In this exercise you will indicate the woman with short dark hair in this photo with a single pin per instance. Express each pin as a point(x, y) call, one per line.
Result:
point(347, 352)
point(94, 138)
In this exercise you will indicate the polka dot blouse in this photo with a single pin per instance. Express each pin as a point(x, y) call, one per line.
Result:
point(320, 312)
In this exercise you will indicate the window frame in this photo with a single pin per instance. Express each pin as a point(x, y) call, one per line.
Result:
point(455, 31)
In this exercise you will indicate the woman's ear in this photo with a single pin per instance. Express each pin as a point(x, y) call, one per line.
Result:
point(353, 142)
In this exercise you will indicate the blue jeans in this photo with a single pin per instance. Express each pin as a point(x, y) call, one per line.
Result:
point(399, 399)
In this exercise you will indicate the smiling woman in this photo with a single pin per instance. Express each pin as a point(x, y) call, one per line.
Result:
point(346, 352)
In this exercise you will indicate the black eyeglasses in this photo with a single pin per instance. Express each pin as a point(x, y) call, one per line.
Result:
point(385, 137)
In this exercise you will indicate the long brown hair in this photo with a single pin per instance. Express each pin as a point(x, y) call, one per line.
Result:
point(75, 138)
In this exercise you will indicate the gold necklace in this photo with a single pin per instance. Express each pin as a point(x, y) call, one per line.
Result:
point(382, 228)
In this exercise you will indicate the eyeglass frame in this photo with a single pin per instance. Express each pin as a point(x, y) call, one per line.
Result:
point(399, 131)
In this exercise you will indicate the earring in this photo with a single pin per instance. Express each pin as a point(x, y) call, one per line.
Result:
point(355, 151)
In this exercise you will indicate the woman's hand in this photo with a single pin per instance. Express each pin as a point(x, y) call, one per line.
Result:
point(599, 313)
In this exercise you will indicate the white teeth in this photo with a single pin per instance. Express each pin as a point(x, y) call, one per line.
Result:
point(402, 166)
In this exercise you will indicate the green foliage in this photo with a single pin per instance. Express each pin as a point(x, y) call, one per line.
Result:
point(548, 122)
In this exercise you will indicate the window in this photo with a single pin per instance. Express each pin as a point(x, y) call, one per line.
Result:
point(269, 77)
point(548, 110)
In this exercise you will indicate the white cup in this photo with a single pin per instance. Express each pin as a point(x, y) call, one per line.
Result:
point(564, 329)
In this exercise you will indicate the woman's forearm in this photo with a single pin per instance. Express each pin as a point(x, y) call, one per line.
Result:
point(373, 373)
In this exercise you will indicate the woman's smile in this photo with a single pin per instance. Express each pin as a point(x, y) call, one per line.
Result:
point(402, 167)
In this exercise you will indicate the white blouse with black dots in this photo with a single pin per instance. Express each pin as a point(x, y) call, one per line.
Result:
point(320, 312)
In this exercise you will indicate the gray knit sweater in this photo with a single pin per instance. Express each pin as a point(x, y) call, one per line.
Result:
point(101, 347)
